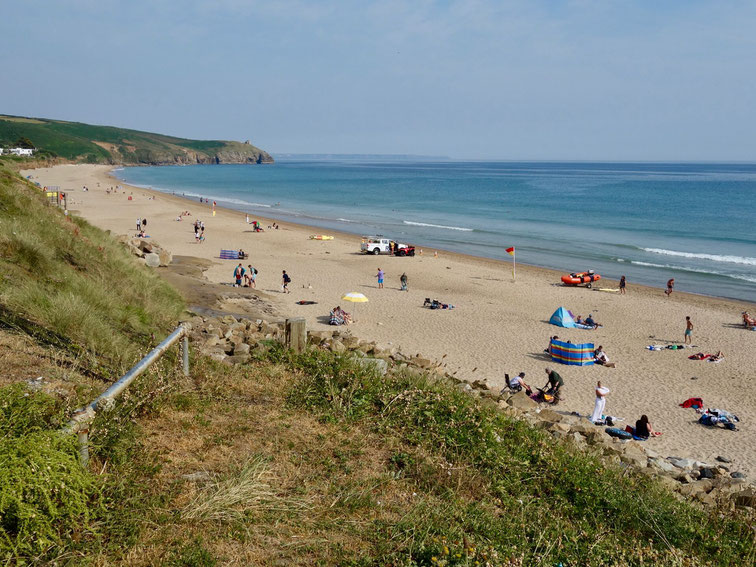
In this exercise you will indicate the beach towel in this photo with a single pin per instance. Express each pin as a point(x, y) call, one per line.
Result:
point(229, 254)
point(694, 403)
point(699, 356)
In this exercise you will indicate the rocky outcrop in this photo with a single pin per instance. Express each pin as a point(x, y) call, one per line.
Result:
point(222, 153)
point(150, 251)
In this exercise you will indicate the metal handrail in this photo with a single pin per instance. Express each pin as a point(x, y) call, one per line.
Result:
point(83, 417)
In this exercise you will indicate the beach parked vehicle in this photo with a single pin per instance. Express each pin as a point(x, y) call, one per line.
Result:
point(381, 245)
point(580, 278)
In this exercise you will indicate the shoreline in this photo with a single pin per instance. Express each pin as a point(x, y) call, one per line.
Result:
point(556, 273)
point(497, 326)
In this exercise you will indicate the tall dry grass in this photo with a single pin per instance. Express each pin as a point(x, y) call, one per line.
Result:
point(75, 282)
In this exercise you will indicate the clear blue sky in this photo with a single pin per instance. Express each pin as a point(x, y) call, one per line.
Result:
point(591, 80)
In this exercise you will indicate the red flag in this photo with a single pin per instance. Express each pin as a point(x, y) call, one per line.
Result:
point(510, 251)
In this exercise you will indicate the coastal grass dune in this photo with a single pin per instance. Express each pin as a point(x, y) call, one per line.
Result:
point(72, 285)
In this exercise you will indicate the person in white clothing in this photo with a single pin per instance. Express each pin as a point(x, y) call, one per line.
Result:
point(600, 405)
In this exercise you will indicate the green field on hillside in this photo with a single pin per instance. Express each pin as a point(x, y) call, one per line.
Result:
point(106, 144)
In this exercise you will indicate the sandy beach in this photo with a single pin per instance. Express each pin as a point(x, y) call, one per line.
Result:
point(498, 325)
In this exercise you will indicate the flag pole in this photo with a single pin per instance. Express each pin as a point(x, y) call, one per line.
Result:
point(514, 264)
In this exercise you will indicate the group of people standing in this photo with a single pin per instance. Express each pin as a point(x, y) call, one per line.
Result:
point(244, 277)
point(199, 231)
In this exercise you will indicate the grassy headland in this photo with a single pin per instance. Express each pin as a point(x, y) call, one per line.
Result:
point(88, 143)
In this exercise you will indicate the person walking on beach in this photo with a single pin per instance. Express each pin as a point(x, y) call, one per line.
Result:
point(622, 285)
point(600, 405)
point(403, 281)
point(252, 276)
point(688, 330)
point(285, 281)
point(380, 275)
point(670, 285)
point(139, 224)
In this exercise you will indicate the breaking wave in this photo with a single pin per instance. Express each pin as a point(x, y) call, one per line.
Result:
point(713, 257)
point(412, 223)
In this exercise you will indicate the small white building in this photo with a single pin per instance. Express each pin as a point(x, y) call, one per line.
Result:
point(1, 151)
point(21, 151)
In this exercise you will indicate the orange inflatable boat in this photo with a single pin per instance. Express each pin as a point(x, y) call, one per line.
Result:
point(579, 278)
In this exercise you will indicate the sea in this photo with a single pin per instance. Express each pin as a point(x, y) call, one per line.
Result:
point(695, 222)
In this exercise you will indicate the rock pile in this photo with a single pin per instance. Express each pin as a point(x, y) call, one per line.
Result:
point(233, 340)
point(151, 252)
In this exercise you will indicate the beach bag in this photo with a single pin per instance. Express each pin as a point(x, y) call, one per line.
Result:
point(255, 269)
point(619, 433)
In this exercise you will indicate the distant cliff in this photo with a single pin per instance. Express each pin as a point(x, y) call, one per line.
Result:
point(80, 142)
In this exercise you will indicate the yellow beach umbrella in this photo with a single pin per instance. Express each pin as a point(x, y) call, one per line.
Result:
point(354, 297)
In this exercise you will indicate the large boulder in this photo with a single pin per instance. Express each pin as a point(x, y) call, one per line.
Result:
point(165, 257)
point(521, 401)
point(152, 259)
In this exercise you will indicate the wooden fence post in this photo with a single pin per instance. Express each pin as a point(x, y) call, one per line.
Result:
point(296, 334)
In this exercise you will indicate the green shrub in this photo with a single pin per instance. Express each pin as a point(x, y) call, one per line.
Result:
point(45, 494)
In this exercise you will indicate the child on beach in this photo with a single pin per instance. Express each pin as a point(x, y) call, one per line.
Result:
point(670, 285)
point(380, 275)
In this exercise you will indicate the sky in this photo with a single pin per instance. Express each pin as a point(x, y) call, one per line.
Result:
point(512, 80)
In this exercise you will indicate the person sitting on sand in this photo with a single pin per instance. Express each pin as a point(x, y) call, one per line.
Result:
point(551, 341)
point(579, 320)
point(518, 383)
point(599, 357)
point(716, 357)
point(643, 428)
point(748, 321)
point(591, 323)
point(242, 254)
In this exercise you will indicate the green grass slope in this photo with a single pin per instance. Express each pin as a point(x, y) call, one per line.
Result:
point(106, 144)
point(72, 285)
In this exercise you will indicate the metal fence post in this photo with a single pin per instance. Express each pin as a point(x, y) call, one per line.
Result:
point(185, 355)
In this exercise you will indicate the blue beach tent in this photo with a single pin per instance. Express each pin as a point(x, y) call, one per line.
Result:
point(562, 318)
